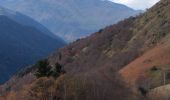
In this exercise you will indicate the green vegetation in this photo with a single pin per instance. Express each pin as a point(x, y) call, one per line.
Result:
point(57, 70)
point(44, 69)
point(100, 31)
point(155, 77)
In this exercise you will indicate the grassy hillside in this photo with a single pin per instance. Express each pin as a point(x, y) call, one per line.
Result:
point(154, 31)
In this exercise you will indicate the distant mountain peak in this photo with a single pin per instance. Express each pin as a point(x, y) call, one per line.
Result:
point(4, 11)
point(72, 19)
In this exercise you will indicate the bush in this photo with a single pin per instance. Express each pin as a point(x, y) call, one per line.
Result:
point(154, 68)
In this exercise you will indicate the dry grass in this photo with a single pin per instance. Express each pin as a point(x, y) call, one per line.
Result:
point(160, 93)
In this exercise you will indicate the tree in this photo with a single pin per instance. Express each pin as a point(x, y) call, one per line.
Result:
point(43, 68)
point(57, 70)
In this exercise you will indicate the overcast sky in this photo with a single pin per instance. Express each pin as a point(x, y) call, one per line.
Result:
point(137, 4)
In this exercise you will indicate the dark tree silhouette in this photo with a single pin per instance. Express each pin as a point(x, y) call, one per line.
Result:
point(43, 68)
point(57, 70)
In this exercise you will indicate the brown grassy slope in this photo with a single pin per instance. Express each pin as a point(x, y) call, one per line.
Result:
point(69, 87)
point(156, 28)
point(158, 56)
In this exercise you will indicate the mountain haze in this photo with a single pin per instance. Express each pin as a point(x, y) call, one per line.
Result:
point(71, 19)
point(25, 20)
point(22, 44)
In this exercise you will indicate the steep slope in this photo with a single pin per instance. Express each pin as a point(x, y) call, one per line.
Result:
point(21, 46)
point(157, 57)
point(131, 51)
point(157, 31)
point(71, 19)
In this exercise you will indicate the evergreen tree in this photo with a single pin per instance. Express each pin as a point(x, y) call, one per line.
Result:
point(43, 68)
point(57, 71)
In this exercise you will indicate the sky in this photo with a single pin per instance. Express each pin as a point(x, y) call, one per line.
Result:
point(137, 4)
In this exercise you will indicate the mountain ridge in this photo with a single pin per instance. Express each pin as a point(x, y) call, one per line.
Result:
point(75, 18)
point(25, 20)
point(21, 45)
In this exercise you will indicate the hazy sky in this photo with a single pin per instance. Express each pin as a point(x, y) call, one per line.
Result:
point(137, 4)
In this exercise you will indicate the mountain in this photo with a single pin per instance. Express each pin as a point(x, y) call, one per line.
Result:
point(71, 19)
point(22, 44)
point(25, 20)
point(125, 61)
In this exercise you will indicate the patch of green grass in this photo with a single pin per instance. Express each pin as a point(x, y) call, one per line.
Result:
point(155, 77)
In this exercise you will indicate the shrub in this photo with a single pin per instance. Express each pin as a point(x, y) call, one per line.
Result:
point(154, 68)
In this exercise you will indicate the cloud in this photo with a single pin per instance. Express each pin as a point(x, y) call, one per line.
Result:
point(137, 4)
